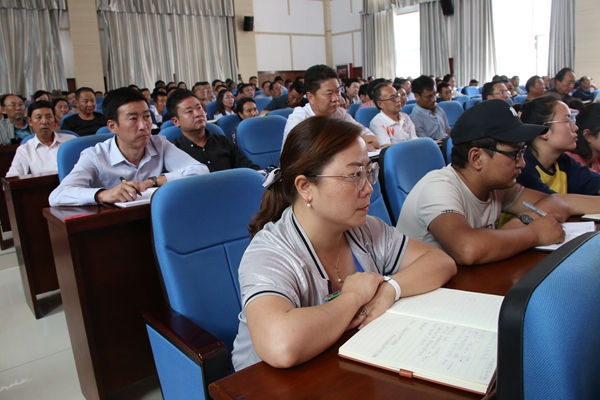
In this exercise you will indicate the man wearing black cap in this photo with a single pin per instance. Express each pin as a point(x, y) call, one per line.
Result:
point(457, 208)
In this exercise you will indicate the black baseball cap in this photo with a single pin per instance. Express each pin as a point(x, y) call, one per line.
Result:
point(495, 119)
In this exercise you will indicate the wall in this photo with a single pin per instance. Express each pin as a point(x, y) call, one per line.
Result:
point(245, 41)
point(587, 37)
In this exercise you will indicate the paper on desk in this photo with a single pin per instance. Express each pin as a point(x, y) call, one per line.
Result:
point(143, 199)
point(572, 230)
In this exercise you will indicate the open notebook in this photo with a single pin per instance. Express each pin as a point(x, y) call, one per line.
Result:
point(143, 199)
point(572, 230)
point(445, 336)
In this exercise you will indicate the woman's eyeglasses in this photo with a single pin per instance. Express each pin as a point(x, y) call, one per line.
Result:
point(571, 123)
point(361, 176)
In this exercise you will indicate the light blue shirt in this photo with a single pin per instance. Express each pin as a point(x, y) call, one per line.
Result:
point(102, 166)
point(429, 125)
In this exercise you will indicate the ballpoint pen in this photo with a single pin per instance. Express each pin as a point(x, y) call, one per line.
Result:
point(533, 208)
point(125, 180)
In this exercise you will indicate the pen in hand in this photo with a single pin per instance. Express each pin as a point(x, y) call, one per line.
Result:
point(125, 180)
point(533, 208)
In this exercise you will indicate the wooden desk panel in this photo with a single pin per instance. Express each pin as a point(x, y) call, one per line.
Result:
point(7, 153)
point(25, 198)
point(107, 275)
point(329, 375)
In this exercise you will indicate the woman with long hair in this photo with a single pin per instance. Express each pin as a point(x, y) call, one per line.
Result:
point(225, 104)
point(587, 151)
point(317, 264)
point(61, 108)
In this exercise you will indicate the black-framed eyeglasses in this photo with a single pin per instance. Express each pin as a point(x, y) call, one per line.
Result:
point(516, 155)
point(361, 176)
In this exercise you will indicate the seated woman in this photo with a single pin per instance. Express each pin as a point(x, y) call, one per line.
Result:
point(318, 265)
point(587, 151)
point(225, 104)
point(61, 108)
point(548, 169)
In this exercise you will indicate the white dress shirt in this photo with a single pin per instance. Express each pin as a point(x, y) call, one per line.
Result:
point(34, 157)
point(389, 131)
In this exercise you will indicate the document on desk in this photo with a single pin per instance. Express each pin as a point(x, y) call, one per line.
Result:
point(572, 230)
point(143, 199)
point(445, 336)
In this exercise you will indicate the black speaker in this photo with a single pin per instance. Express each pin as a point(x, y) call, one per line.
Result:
point(248, 24)
point(447, 7)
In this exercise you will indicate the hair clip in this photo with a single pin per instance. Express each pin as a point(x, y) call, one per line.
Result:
point(273, 176)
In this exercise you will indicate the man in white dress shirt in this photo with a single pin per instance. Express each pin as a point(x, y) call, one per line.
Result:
point(38, 155)
point(391, 125)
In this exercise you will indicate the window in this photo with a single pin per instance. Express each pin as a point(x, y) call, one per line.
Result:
point(408, 42)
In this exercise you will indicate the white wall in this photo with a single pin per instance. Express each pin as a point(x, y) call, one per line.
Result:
point(345, 32)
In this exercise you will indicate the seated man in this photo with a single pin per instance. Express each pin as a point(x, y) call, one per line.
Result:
point(457, 208)
point(87, 121)
point(290, 100)
point(323, 94)
point(352, 87)
point(200, 90)
point(429, 119)
point(143, 159)
point(14, 127)
point(246, 108)
point(495, 90)
point(217, 152)
point(584, 92)
point(391, 125)
point(444, 91)
point(564, 84)
point(535, 88)
point(38, 155)
point(266, 91)
point(276, 89)
point(245, 90)
point(160, 102)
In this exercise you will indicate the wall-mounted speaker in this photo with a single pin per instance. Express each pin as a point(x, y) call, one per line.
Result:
point(248, 24)
point(447, 7)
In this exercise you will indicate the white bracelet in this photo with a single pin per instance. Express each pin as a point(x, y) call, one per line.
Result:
point(396, 286)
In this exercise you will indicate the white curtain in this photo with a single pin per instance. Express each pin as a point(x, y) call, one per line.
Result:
point(186, 40)
point(474, 46)
point(30, 52)
point(562, 36)
point(434, 40)
point(378, 44)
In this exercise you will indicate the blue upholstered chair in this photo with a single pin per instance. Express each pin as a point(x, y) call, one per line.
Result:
point(412, 101)
point(228, 123)
point(365, 115)
point(211, 109)
point(407, 109)
point(378, 207)
point(103, 129)
point(68, 132)
point(461, 99)
point(453, 110)
point(261, 103)
point(447, 149)
point(471, 102)
point(214, 129)
point(69, 152)
point(65, 117)
point(520, 99)
point(403, 165)
point(353, 108)
point(261, 138)
point(522, 87)
point(548, 345)
point(171, 133)
point(166, 124)
point(472, 91)
point(284, 112)
point(198, 251)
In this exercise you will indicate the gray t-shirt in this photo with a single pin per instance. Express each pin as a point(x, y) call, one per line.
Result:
point(280, 261)
point(442, 191)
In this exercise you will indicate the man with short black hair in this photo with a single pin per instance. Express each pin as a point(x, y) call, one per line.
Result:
point(15, 127)
point(245, 90)
point(535, 88)
point(266, 91)
point(495, 90)
point(290, 100)
point(276, 89)
point(391, 125)
point(444, 91)
point(87, 121)
point(200, 90)
point(246, 108)
point(42, 95)
point(129, 163)
point(515, 81)
point(429, 119)
point(564, 83)
point(160, 103)
point(253, 81)
point(217, 152)
point(584, 91)
point(457, 208)
point(38, 155)
point(352, 87)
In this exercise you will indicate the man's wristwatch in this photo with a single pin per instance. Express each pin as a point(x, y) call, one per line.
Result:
point(526, 219)
point(153, 179)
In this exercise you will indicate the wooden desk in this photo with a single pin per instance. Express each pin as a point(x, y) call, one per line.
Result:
point(107, 275)
point(329, 375)
point(25, 198)
point(7, 153)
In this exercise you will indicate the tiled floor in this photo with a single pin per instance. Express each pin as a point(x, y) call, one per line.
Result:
point(36, 359)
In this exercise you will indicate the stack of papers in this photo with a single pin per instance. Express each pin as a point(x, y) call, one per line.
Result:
point(143, 199)
point(572, 230)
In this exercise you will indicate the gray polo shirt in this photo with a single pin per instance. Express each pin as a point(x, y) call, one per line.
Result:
point(429, 125)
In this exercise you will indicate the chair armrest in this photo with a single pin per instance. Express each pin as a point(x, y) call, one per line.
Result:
point(197, 344)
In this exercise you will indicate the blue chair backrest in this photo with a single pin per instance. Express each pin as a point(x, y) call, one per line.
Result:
point(214, 129)
point(404, 164)
point(68, 132)
point(365, 115)
point(407, 109)
point(103, 129)
point(472, 91)
point(378, 207)
point(522, 87)
point(65, 117)
point(69, 152)
point(228, 123)
point(27, 139)
point(353, 108)
point(260, 139)
point(199, 266)
point(520, 99)
point(211, 109)
point(461, 99)
point(261, 103)
point(411, 101)
point(548, 345)
point(166, 124)
point(171, 133)
point(471, 102)
point(99, 101)
point(283, 112)
point(448, 148)
point(453, 110)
